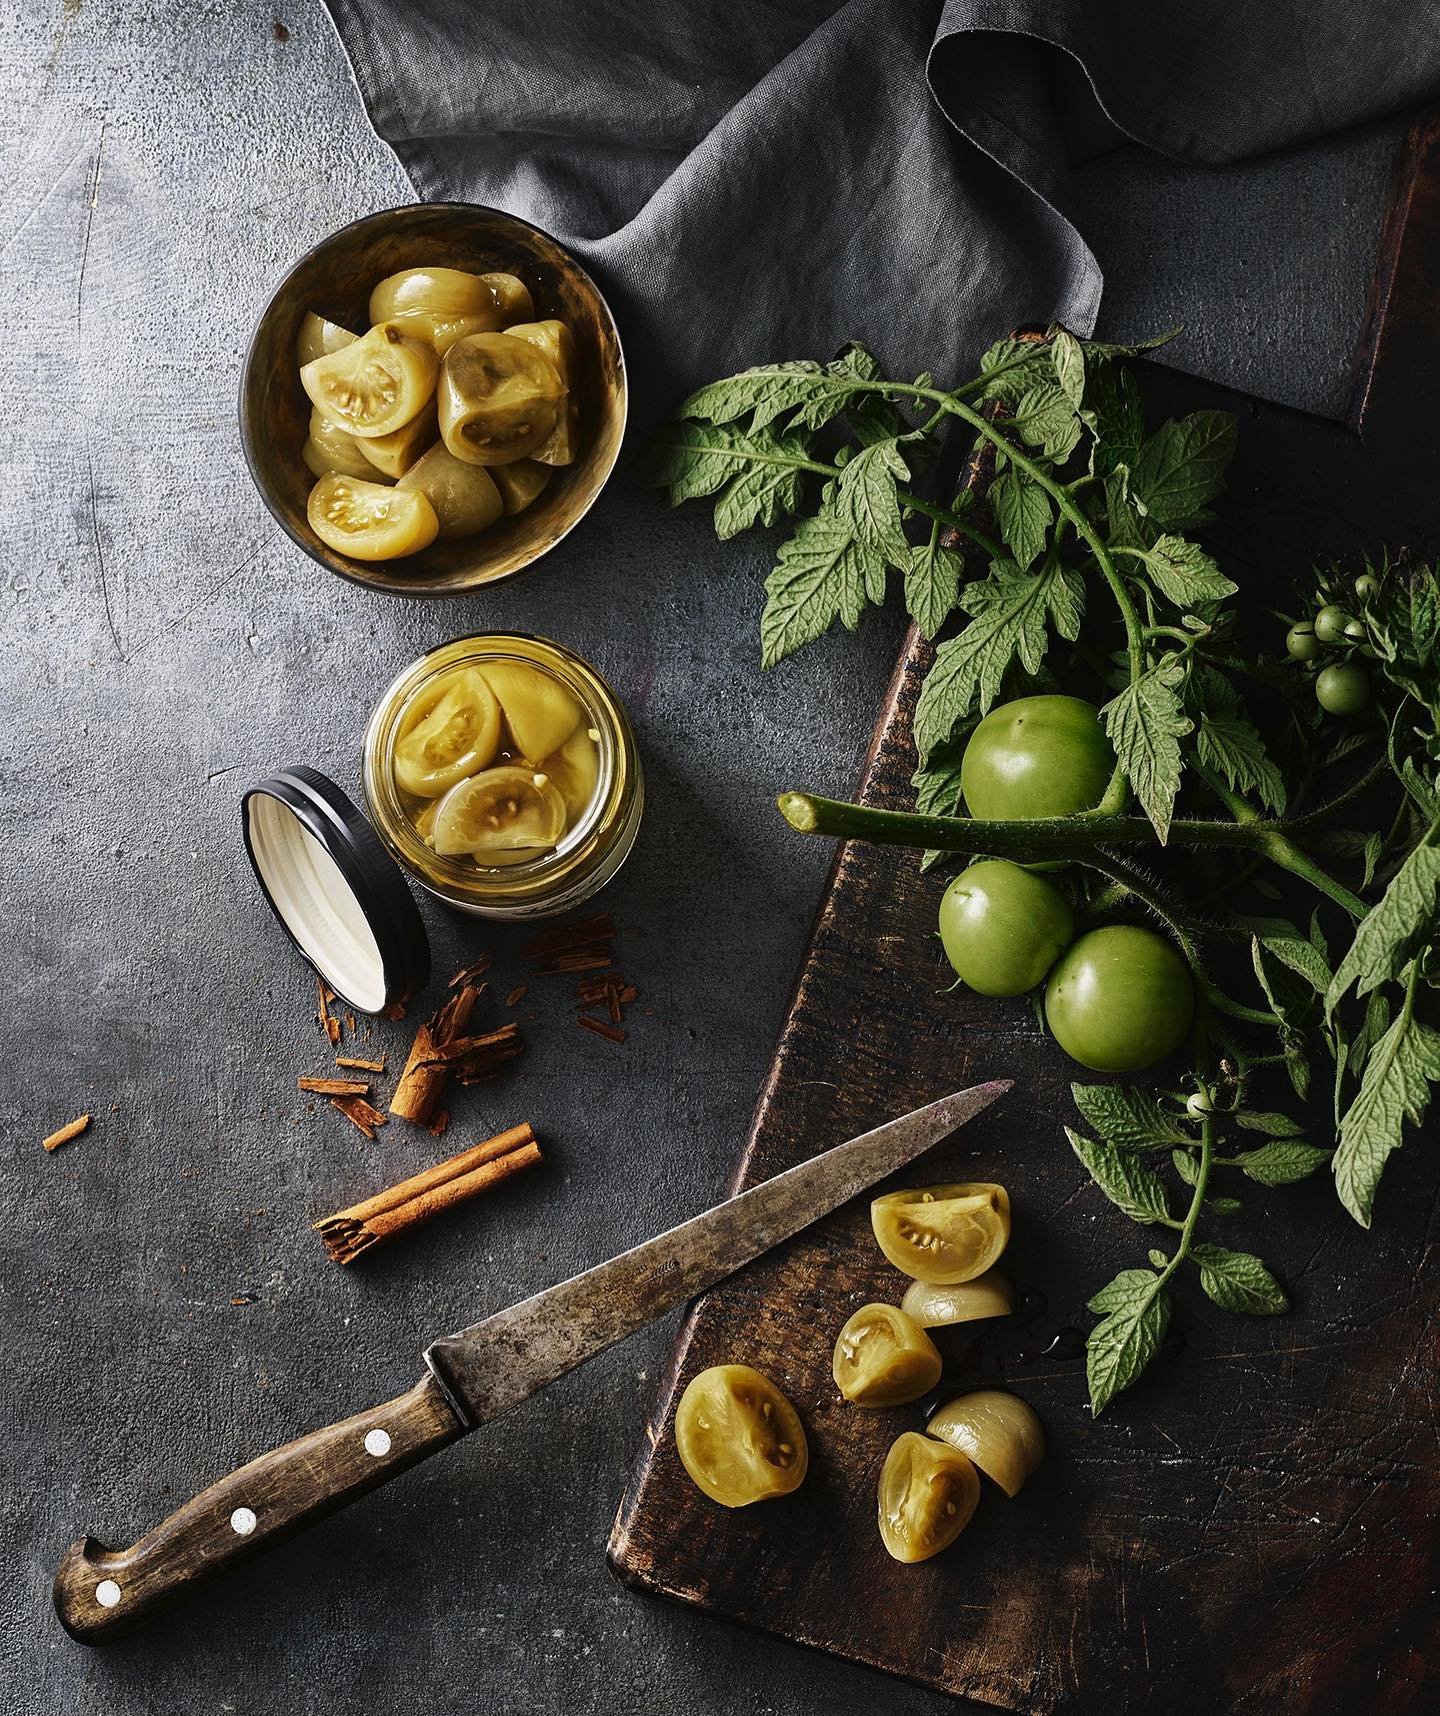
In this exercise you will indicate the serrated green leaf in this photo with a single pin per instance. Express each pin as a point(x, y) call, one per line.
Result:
point(1120, 1346)
point(1128, 1286)
point(1069, 361)
point(1134, 1189)
point(1046, 418)
point(1281, 1162)
point(867, 498)
point(1395, 1090)
point(769, 391)
point(1016, 612)
point(820, 576)
point(1223, 1206)
point(1117, 420)
point(1229, 746)
point(1272, 1124)
point(1185, 1166)
point(1239, 1281)
point(1145, 724)
point(762, 493)
point(1158, 1258)
point(695, 459)
point(1295, 951)
point(1014, 366)
point(1182, 466)
point(1185, 573)
point(932, 584)
point(1022, 510)
point(937, 787)
point(1407, 915)
point(1129, 1118)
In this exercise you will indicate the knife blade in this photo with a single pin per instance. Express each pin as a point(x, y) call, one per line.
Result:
point(475, 1375)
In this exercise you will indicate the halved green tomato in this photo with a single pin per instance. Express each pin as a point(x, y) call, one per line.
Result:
point(932, 1307)
point(520, 483)
point(558, 344)
point(448, 293)
point(425, 820)
point(882, 1358)
point(396, 452)
point(738, 1437)
point(369, 521)
point(498, 814)
point(943, 1234)
point(318, 338)
point(464, 496)
point(329, 448)
point(500, 398)
point(998, 1432)
point(450, 731)
point(928, 1492)
point(540, 712)
point(574, 769)
point(375, 385)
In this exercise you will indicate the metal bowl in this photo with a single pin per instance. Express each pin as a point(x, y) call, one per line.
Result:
point(335, 279)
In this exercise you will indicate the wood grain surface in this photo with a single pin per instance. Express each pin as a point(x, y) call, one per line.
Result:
point(1254, 1527)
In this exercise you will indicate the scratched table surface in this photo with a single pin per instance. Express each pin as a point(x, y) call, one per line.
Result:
point(166, 1311)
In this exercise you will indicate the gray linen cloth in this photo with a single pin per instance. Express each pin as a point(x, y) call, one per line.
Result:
point(766, 178)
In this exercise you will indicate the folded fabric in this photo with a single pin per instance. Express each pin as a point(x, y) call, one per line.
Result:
point(765, 178)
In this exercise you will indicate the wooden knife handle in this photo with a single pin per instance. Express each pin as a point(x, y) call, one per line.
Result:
point(101, 1592)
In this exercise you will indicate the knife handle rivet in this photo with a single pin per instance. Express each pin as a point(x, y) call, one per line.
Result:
point(243, 1521)
point(107, 1593)
point(377, 1442)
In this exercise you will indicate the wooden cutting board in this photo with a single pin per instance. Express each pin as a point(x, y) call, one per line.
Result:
point(1257, 1525)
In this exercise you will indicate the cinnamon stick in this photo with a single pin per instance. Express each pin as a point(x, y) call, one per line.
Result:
point(427, 1072)
point(335, 1086)
point(328, 1022)
point(468, 973)
point(350, 1231)
point(361, 1112)
point(360, 1062)
point(72, 1130)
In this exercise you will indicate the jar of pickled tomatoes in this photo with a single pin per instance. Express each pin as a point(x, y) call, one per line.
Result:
point(502, 772)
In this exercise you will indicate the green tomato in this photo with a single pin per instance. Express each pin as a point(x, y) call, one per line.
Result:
point(1330, 623)
point(1367, 587)
point(1036, 757)
point(1355, 632)
point(1343, 689)
point(1302, 643)
point(1119, 999)
point(1003, 927)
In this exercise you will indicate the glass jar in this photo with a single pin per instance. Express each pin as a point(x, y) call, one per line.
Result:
point(598, 834)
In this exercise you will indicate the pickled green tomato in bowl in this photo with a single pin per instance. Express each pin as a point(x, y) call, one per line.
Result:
point(1003, 927)
point(1120, 998)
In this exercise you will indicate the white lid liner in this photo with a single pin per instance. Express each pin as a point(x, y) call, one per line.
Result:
point(316, 903)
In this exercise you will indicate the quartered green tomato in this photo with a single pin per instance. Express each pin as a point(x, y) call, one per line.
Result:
point(558, 344)
point(318, 338)
point(932, 1307)
point(393, 454)
point(500, 816)
point(999, 1432)
point(450, 732)
point(331, 450)
point(500, 399)
point(520, 483)
point(1003, 927)
point(882, 1358)
point(1036, 757)
point(1119, 999)
point(574, 769)
point(738, 1437)
point(374, 385)
point(368, 520)
point(539, 711)
point(928, 1492)
point(446, 294)
point(464, 496)
point(943, 1234)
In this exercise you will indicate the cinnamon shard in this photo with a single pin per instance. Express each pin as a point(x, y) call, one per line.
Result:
point(583, 946)
point(66, 1133)
point(438, 1122)
point(361, 1113)
point(427, 1069)
point(611, 1033)
point(396, 1010)
point(350, 1232)
point(335, 1086)
point(468, 973)
point(328, 1022)
point(360, 1063)
point(516, 995)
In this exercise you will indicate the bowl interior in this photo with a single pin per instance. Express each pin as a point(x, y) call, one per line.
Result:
point(335, 280)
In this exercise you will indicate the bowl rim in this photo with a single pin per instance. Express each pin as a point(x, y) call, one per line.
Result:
point(247, 446)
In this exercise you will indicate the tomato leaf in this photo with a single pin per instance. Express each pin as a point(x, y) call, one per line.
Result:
point(820, 576)
point(1022, 510)
point(1130, 1119)
point(1068, 357)
point(1281, 1162)
point(1182, 466)
point(1228, 745)
point(1134, 1189)
point(1146, 723)
point(1239, 1281)
point(1388, 935)
point(1121, 1345)
point(1045, 417)
point(932, 585)
point(1185, 573)
point(762, 493)
point(1395, 1089)
point(866, 498)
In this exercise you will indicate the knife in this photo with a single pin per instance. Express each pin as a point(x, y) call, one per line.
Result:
point(477, 1375)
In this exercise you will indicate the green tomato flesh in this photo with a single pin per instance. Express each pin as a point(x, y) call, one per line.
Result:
point(1003, 927)
point(1330, 623)
point(1036, 757)
point(1343, 689)
point(1119, 999)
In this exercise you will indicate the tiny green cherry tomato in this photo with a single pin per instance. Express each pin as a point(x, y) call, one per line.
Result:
point(1330, 623)
point(1302, 643)
point(1003, 927)
point(1367, 587)
point(1355, 632)
point(1120, 998)
point(1198, 1105)
point(1343, 689)
point(1036, 757)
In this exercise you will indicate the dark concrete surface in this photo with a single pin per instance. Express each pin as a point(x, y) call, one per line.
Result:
point(164, 645)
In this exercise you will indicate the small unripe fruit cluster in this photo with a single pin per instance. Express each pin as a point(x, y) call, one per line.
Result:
point(1342, 687)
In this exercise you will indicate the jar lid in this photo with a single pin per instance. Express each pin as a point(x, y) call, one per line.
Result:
point(341, 898)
